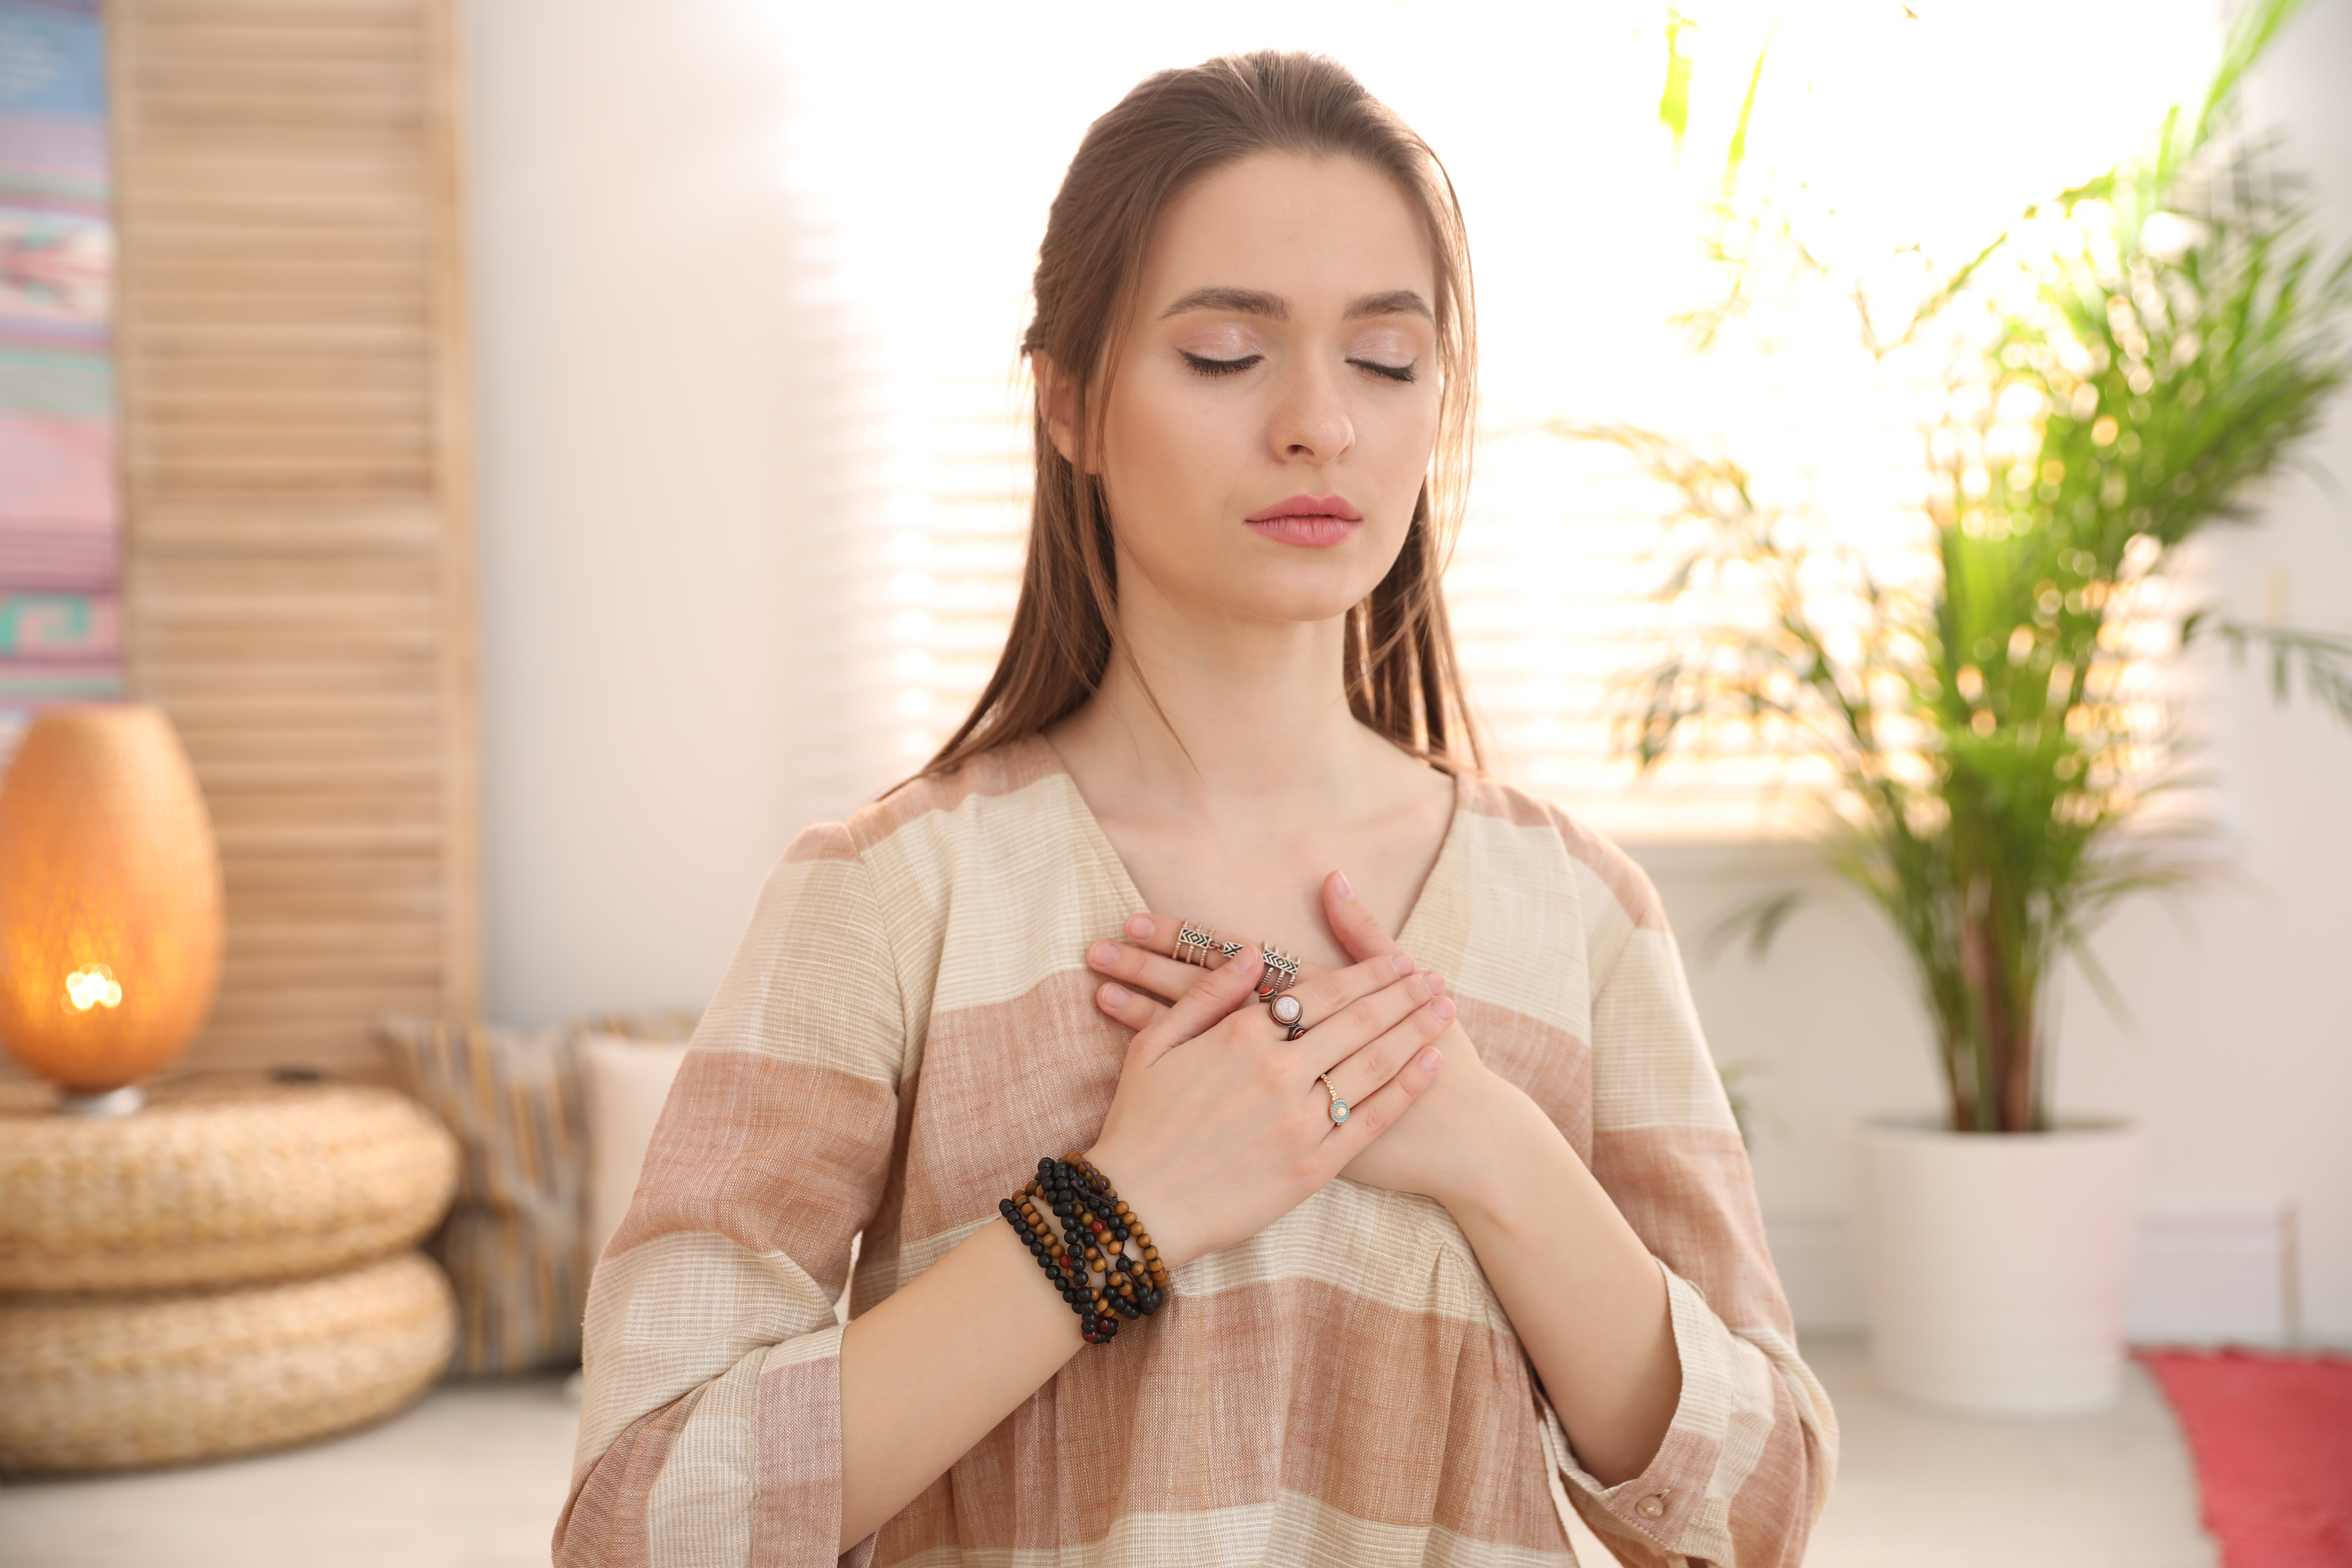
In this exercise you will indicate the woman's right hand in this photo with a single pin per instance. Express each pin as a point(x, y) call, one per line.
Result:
point(1219, 1126)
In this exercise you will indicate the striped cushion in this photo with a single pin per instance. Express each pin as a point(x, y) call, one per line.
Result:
point(671, 1025)
point(514, 1243)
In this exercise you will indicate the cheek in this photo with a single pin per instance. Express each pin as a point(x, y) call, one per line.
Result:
point(1168, 459)
point(1409, 435)
point(1399, 440)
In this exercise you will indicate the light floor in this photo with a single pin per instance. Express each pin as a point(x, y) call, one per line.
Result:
point(473, 1477)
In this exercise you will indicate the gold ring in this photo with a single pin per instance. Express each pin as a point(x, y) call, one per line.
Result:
point(1339, 1112)
point(1289, 1012)
point(1192, 943)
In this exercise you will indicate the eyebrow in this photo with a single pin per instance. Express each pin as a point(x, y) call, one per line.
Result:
point(1257, 302)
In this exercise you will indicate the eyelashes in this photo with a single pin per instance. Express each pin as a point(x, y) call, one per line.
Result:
point(1201, 365)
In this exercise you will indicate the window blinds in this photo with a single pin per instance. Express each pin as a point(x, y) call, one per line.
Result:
point(297, 484)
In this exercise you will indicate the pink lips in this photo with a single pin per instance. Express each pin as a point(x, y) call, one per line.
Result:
point(1310, 521)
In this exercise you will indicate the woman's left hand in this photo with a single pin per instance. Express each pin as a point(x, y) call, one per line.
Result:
point(1434, 1148)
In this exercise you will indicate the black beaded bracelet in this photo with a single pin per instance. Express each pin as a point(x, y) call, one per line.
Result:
point(1095, 1231)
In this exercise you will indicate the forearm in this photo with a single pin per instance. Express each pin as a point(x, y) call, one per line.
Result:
point(1583, 1293)
point(935, 1366)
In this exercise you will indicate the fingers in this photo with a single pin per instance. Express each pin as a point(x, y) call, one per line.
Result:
point(1378, 1111)
point(1352, 920)
point(1214, 996)
point(1166, 978)
point(1350, 1007)
point(1137, 1012)
point(1157, 932)
point(1379, 1060)
point(1325, 995)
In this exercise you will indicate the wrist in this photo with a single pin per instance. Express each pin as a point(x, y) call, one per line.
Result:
point(1520, 1152)
point(1156, 1212)
point(1091, 1244)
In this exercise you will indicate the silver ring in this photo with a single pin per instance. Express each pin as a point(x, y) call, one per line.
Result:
point(1339, 1112)
point(1288, 1011)
point(1192, 943)
point(1281, 973)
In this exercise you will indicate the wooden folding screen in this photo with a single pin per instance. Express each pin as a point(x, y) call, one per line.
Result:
point(299, 592)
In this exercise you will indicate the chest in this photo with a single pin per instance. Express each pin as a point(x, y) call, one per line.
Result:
point(1271, 889)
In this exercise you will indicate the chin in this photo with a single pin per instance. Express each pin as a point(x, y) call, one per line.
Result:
point(1304, 594)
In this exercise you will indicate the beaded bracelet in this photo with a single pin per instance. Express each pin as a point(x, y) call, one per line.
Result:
point(1096, 1225)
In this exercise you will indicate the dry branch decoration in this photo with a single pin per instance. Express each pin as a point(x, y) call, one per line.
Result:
point(2119, 370)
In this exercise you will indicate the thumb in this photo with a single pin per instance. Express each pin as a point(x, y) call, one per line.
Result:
point(1219, 992)
point(1352, 922)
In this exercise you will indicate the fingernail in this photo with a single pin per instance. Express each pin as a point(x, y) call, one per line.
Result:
point(1441, 1009)
point(1339, 880)
point(1140, 926)
point(1434, 980)
point(1427, 1060)
point(1105, 953)
point(1401, 962)
point(1117, 995)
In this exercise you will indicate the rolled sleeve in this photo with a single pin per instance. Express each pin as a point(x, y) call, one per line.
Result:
point(1734, 1398)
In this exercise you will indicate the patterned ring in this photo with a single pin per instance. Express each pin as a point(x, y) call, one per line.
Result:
point(1289, 1012)
point(1339, 1112)
point(1193, 944)
point(1281, 973)
point(1228, 948)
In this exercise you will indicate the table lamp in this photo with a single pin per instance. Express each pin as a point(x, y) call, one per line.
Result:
point(110, 902)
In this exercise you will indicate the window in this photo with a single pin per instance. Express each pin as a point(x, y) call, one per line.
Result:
point(922, 159)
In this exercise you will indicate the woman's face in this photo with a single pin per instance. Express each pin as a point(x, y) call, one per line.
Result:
point(1275, 402)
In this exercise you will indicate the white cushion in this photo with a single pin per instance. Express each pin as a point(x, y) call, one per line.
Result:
point(628, 1081)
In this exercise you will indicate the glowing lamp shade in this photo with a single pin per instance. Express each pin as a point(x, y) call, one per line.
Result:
point(110, 898)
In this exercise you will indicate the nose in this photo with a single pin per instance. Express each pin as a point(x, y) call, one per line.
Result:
point(1310, 420)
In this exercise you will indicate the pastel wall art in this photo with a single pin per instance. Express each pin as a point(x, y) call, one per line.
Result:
point(60, 535)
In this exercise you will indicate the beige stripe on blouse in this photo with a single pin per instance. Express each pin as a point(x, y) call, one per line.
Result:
point(907, 1026)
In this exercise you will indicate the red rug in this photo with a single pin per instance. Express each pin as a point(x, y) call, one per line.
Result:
point(2272, 1439)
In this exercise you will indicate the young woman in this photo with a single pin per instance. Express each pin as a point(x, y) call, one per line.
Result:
point(1448, 1237)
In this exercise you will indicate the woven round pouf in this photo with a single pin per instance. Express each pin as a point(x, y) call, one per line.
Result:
point(216, 1181)
point(100, 1383)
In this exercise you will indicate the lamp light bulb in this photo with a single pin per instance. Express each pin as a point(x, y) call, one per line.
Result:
point(93, 988)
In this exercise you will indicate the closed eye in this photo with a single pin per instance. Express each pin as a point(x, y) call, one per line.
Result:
point(1392, 372)
point(1203, 366)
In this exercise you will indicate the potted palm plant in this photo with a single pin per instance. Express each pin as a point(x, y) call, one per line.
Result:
point(2117, 373)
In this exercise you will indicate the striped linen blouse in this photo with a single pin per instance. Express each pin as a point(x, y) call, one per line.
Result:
point(909, 1023)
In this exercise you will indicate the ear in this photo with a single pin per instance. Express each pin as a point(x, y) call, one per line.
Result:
point(1057, 402)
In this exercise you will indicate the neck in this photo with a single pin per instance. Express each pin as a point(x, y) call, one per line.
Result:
point(1251, 732)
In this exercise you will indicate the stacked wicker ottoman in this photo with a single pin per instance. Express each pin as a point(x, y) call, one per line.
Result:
point(231, 1268)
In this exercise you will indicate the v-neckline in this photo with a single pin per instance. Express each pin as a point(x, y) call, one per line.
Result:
point(1408, 936)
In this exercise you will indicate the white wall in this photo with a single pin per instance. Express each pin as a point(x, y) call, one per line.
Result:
point(653, 421)
point(641, 458)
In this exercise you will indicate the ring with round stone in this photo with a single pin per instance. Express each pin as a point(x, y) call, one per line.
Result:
point(1339, 1107)
point(1289, 1012)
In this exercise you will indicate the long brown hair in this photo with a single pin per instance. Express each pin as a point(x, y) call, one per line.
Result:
point(1403, 679)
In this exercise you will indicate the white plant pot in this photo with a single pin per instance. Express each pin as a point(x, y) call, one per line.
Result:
point(1997, 1265)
